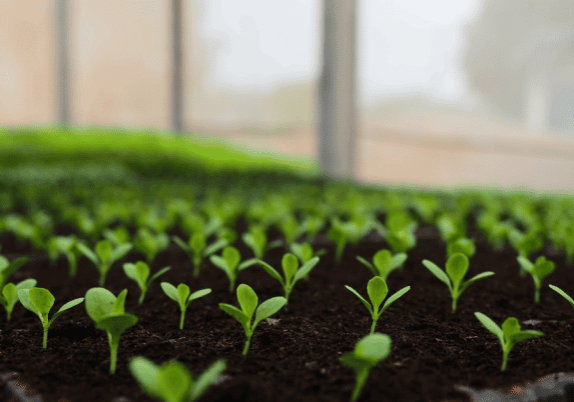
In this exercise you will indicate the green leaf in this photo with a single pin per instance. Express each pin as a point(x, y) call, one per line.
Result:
point(157, 275)
point(207, 378)
point(271, 271)
point(306, 268)
point(116, 324)
point(181, 244)
point(394, 297)
point(118, 306)
point(120, 252)
point(198, 294)
point(456, 268)
point(382, 261)
point(197, 242)
point(145, 373)
point(436, 271)
point(104, 250)
point(232, 257)
point(42, 299)
point(8, 268)
point(366, 303)
point(65, 307)
point(563, 294)
point(171, 291)
point(268, 308)
point(375, 347)
point(99, 303)
point(543, 268)
point(24, 297)
point(368, 265)
point(247, 300)
point(474, 279)
point(174, 381)
point(377, 290)
point(183, 293)
point(491, 326)
point(235, 313)
point(290, 265)
point(88, 253)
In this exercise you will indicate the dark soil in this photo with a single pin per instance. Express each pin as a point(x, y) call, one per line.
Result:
point(296, 357)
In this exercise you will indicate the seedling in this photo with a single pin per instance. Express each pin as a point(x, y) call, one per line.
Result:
point(369, 351)
point(181, 295)
point(229, 263)
point(352, 231)
point(509, 335)
point(378, 290)
point(196, 249)
point(118, 236)
point(149, 244)
point(8, 268)
point(256, 240)
point(139, 272)
point(304, 251)
point(384, 263)
point(456, 268)
point(40, 301)
point(291, 271)
point(64, 245)
point(9, 296)
point(105, 256)
point(538, 271)
point(108, 314)
point(248, 301)
point(461, 245)
point(172, 381)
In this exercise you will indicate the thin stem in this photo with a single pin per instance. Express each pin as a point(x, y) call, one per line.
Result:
point(246, 348)
point(45, 344)
point(181, 319)
point(453, 305)
point(537, 295)
point(373, 326)
point(113, 358)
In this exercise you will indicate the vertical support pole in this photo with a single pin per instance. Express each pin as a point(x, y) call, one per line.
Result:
point(177, 68)
point(337, 98)
point(63, 60)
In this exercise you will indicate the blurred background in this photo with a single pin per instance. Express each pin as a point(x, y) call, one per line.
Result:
point(448, 91)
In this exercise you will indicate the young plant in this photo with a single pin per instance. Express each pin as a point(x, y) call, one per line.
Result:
point(304, 251)
point(139, 272)
point(369, 351)
point(378, 290)
point(40, 301)
point(181, 295)
point(290, 229)
point(248, 301)
point(508, 336)
point(256, 240)
point(461, 245)
point(291, 271)
point(105, 255)
point(108, 313)
point(456, 268)
point(8, 268)
point(64, 245)
point(149, 244)
point(562, 293)
point(196, 249)
point(172, 381)
point(352, 231)
point(539, 270)
point(384, 263)
point(525, 243)
point(229, 263)
point(118, 236)
point(9, 296)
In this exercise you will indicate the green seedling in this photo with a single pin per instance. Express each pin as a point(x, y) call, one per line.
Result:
point(351, 231)
point(538, 271)
point(291, 271)
point(149, 244)
point(369, 351)
point(64, 245)
point(248, 301)
point(229, 263)
point(290, 229)
point(172, 381)
point(118, 236)
point(304, 251)
point(8, 268)
point(181, 295)
point(509, 335)
point(40, 301)
point(456, 268)
point(256, 240)
point(107, 312)
point(9, 296)
point(139, 272)
point(378, 290)
point(384, 263)
point(196, 249)
point(461, 245)
point(105, 255)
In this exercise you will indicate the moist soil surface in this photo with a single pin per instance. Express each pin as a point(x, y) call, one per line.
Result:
point(294, 355)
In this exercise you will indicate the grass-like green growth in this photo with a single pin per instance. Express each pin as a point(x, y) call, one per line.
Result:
point(104, 256)
point(40, 301)
point(248, 301)
point(182, 297)
point(378, 290)
point(384, 263)
point(229, 262)
point(9, 296)
point(368, 352)
point(197, 249)
point(304, 251)
point(562, 293)
point(538, 271)
point(108, 313)
point(456, 268)
point(291, 271)
point(172, 381)
point(508, 336)
point(139, 272)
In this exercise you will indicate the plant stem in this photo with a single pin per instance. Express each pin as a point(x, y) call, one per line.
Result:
point(361, 379)
point(453, 305)
point(45, 343)
point(246, 348)
point(373, 326)
point(181, 319)
point(537, 295)
point(113, 357)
